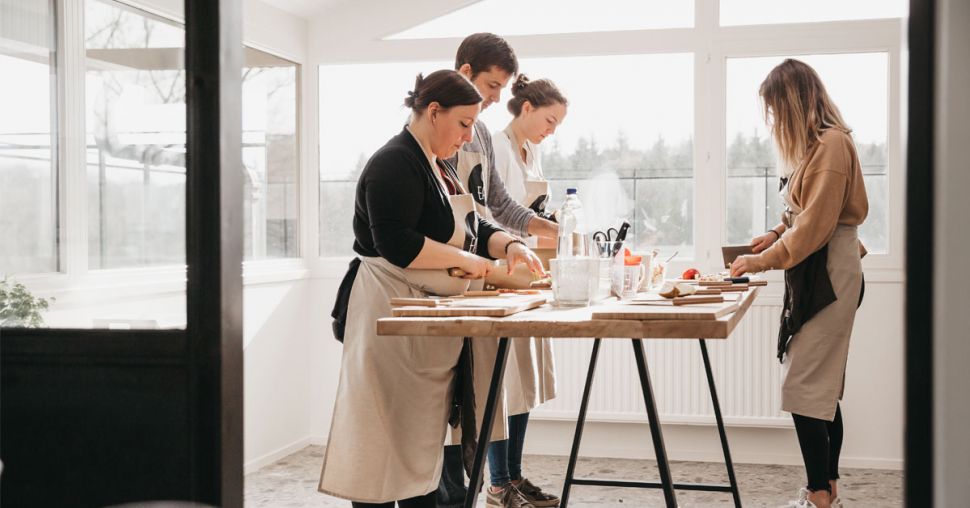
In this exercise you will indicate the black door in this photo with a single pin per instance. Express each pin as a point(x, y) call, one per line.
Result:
point(102, 417)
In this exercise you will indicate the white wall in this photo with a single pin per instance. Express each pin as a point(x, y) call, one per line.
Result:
point(952, 238)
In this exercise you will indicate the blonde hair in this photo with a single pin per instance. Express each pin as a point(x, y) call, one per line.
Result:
point(802, 109)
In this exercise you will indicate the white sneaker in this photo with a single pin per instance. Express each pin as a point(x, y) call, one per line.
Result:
point(802, 501)
point(837, 503)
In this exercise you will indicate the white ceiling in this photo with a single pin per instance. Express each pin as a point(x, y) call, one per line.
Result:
point(305, 8)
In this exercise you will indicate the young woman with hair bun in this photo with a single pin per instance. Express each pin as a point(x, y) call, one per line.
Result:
point(530, 380)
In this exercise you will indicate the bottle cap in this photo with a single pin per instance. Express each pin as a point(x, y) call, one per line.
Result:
point(570, 191)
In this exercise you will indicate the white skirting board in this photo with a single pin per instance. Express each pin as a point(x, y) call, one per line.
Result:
point(632, 441)
point(749, 445)
point(269, 458)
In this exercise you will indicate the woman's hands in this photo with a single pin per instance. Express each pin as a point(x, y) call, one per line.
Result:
point(475, 267)
point(741, 266)
point(746, 264)
point(760, 243)
point(518, 253)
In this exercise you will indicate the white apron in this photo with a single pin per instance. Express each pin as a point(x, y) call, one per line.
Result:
point(814, 365)
point(530, 378)
point(394, 395)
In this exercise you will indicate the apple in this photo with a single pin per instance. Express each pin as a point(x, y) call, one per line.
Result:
point(691, 274)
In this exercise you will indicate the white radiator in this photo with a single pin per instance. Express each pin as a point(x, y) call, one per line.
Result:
point(746, 372)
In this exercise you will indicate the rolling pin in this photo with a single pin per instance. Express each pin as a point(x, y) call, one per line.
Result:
point(688, 300)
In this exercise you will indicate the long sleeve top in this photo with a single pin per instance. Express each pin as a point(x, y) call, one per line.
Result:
point(399, 202)
point(830, 190)
point(510, 214)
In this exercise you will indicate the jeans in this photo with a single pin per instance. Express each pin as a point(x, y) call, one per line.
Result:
point(505, 456)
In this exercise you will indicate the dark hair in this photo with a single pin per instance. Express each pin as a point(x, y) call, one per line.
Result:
point(482, 51)
point(446, 87)
point(539, 93)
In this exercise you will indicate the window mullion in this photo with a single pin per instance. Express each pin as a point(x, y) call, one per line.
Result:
point(708, 165)
point(72, 198)
point(309, 141)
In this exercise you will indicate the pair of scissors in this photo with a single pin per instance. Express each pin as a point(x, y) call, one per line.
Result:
point(611, 234)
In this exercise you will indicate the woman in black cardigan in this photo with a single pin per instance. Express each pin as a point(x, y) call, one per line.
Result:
point(413, 220)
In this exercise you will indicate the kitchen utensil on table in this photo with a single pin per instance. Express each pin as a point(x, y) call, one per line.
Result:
point(731, 252)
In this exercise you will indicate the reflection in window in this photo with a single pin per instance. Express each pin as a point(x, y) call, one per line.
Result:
point(136, 143)
point(858, 83)
point(270, 156)
point(759, 12)
point(626, 142)
point(28, 153)
point(135, 85)
point(512, 17)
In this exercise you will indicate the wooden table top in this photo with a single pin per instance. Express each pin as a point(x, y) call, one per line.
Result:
point(577, 322)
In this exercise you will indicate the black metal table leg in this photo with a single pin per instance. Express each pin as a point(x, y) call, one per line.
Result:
point(654, 419)
point(720, 425)
point(494, 388)
point(580, 423)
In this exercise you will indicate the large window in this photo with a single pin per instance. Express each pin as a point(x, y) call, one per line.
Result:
point(626, 141)
point(665, 128)
point(136, 143)
point(361, 107)
point(28, 153)
point(270, 156)
point(135, 138)
point(859, 85)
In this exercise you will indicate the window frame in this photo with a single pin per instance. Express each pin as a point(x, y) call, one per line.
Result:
point(75, 282)
point(711, 45)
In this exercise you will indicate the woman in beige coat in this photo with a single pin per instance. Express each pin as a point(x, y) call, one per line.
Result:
point(818, 247)
point(413, 219)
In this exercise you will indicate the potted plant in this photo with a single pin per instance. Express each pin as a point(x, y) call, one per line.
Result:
point(19, 308)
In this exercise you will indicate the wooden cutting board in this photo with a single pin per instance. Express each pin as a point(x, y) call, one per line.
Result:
point(666, 310)
point(493, 306)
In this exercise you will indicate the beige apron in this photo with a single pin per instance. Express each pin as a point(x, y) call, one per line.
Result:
point(394, 395)
point(814, 366)
point(472, 168)
point(530, 378)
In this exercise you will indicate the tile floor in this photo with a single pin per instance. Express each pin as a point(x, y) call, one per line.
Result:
point(292, 482)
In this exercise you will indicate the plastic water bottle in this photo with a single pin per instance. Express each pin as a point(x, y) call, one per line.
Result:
point(570, 278)
point(572, 227)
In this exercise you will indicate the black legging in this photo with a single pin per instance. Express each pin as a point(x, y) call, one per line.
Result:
point(425, 501)
point(821, 444)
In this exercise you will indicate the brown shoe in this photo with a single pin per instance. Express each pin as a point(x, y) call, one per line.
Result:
point(536, 496)
point(508, 497)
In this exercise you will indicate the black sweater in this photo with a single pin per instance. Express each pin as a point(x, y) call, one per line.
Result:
point(399, 203)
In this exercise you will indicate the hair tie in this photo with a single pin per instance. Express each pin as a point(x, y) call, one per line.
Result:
point(411, 93)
